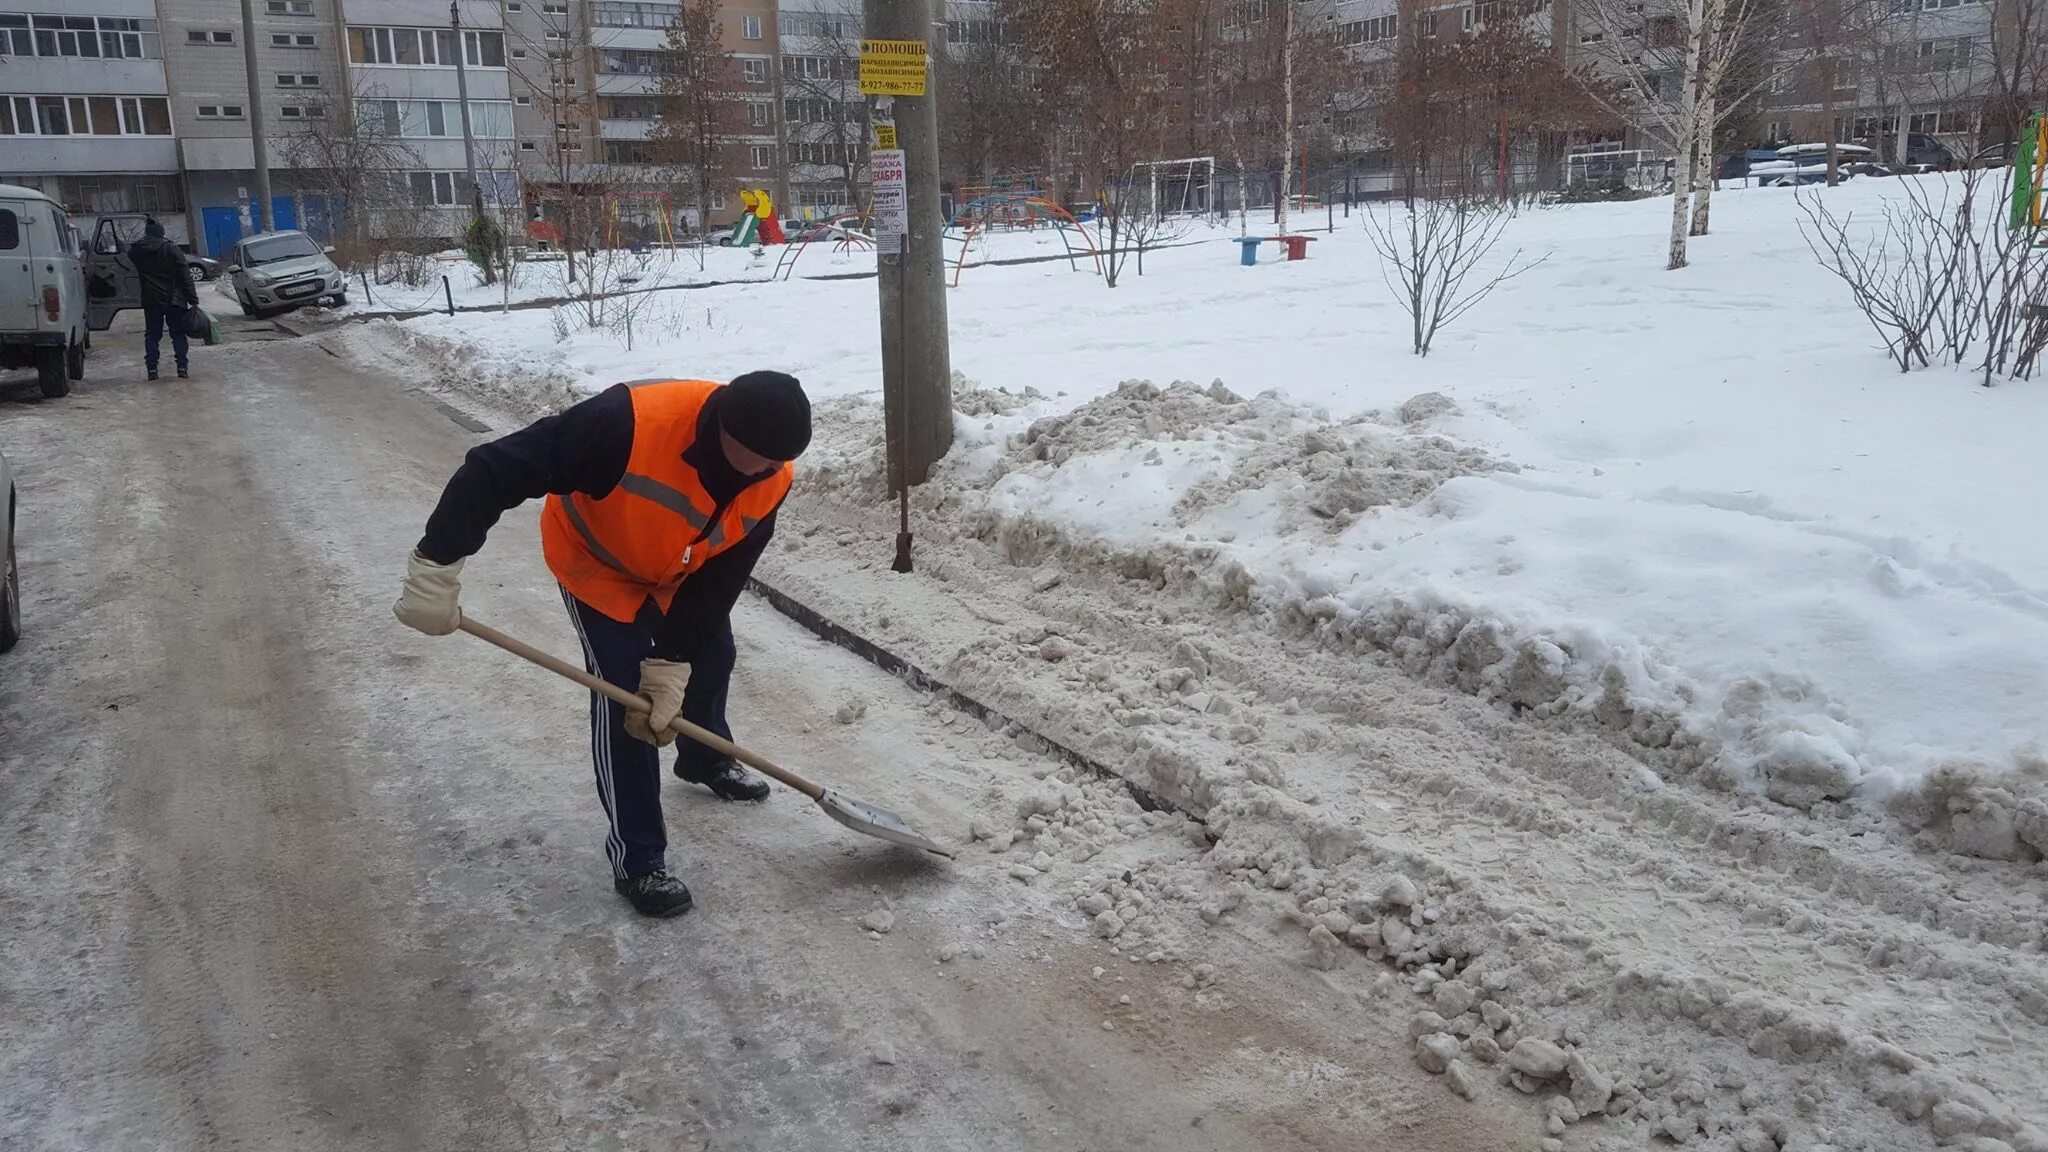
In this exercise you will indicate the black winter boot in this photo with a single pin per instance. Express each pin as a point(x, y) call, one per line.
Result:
point(655, 894)
point(727, 781)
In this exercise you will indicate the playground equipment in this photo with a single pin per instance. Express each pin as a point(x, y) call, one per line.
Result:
point(2029, 164)
point(1179, 186)
point(1297, 247)
point(649, 212)
point(1014, 210)
point(1028, 182)
point(757, 222)
point(841, 231)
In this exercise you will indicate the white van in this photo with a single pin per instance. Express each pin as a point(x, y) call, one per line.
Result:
point(42, 290)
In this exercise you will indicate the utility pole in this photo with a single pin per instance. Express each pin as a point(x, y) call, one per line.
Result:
point(476, 190)
point(476, 197)
point(259, 145)
point(917, 369)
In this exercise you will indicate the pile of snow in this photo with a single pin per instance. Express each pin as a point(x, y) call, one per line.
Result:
point(1696, 507)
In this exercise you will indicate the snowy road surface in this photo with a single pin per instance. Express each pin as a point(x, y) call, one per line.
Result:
point(275, 873)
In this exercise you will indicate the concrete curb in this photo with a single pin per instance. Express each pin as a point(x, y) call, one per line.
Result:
point(833, 632)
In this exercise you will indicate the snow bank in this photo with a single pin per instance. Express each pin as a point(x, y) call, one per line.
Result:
point(1734, 643)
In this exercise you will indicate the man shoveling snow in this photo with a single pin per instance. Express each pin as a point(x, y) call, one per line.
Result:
point(660, 496)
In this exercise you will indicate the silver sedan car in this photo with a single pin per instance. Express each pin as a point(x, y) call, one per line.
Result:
point(277, 271)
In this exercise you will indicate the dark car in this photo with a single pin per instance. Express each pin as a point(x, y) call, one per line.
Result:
point(1736, 165)
point(1922, 150)
point(1994, 155)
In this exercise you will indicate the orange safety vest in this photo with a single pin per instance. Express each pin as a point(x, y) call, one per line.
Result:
point(659, 525)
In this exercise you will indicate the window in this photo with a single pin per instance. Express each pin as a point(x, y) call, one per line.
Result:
point(630, 108)
point(214, 36)
point(763, 155)
point(757, 114)
point(289, 111)
point(826, 152)
point(438, 189)
point(1244, 13)
point(628, 152)
point(526, 146)
point(424, 47)
point(755, 70)
point(428, 119)
point(1946, 54)
point(814, 68)
point(972, 32)
point(289, 7)
point(555, 9)
point(1936, 5)
point(1947, 122)
point(632, 14)
point(816, 24)
point(1366, 31)
point(523, 101)
point(89, 37)
point(1591, 35)
point(10, 231)
point(519, 53)
point(220, 112)
point(1429, 20)
point(805, 110)
point(750, 27)
point(515, 6)
point(629, 62)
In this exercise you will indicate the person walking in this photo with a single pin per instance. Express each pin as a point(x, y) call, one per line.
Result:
point(167, 292)
point(659, 498)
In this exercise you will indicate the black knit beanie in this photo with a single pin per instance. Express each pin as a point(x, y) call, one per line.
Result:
point(768, 413)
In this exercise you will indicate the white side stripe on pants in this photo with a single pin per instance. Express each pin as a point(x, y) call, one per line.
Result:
point(601, 745)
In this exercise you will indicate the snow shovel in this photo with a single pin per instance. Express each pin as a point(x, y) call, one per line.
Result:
point(861, 817)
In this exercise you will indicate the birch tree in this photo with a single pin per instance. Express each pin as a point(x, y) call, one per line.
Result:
point(698, 129)
point(1693, 42)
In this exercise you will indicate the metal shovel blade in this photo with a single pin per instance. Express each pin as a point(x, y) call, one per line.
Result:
point(880, 823)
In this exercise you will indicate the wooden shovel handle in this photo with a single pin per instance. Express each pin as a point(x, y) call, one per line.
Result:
point(599, 684)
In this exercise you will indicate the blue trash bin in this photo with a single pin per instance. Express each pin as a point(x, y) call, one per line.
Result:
point(1251, 249)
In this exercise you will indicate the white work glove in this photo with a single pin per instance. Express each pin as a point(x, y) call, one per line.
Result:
point(428, 602)
point(661, 685)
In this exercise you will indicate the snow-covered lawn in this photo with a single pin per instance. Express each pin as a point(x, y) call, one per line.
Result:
point(1700, 504)
point(545, 276)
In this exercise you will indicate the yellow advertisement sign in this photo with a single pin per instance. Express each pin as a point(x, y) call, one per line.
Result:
point(885, 136)
point(892, 68)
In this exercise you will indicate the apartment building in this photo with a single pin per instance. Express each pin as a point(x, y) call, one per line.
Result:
point(85, 112)
point(402, 83)
point(1922, 67)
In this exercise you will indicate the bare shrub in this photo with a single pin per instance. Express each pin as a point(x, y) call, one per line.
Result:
point(1943, 279)
point(1902, 273)
point(1430, 250)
